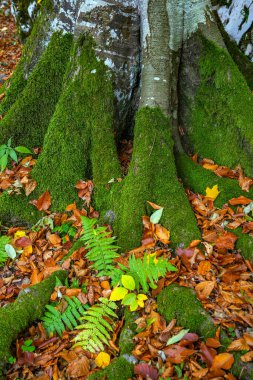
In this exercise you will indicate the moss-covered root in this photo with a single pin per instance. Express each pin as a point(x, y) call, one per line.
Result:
point(28, 118)
point(181, 303)
point(18, 315)
point(152, 177)
point(220, 116)
point(79, 142)
point(198, 179)
point(15, 209)
point(32, 51)
point(121, 368)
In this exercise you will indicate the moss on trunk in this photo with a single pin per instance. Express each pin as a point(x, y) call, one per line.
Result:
point(219, 122)
point(152, 177)
point(28, 307)
point(79, 142)
point(28, 118)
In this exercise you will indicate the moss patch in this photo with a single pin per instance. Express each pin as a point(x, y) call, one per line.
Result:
point(119, 369)
point(221, 111)
point(79, 143)
point(32, 51)
point(181, 303)
point(29, 306)
point(27, 121)
point(152, 177)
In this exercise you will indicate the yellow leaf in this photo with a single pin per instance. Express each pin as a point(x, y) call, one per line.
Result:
point(128, 282)
point(102, 360)
point(18, 234)
point(118, 294)
point(213, 192)
point(140, 299)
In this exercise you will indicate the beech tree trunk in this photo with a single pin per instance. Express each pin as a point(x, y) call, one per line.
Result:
point(159, 71)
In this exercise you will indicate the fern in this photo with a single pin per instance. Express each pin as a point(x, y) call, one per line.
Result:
point(97, 327)
point(56, 322)
point(145, 271)
point(101, 247)
point(3, 255)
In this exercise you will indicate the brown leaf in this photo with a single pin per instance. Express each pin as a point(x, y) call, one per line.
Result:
point(30, 186)
point(224, 361)
point(54, 239)
point(205, 288)
point(213, 342)
point(240, 201)
point(146, 370)
point(238, 345)
point(24, 241)
point(204, 267)
point(247, 357)
point(154, 206)
point(78, 367)
point(226, 241)
point(162, 234)
point(44, 201)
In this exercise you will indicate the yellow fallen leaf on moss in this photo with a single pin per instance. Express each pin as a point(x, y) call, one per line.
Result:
point(213, 192)
point(18, 234)
point(102, 360)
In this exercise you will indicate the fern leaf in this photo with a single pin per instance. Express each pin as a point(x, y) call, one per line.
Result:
point(101, 248)
point(95, 332)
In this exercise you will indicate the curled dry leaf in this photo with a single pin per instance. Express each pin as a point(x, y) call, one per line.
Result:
point(226, 241)
point(247, 357)
point(240, 201)
point(238, 345)
point(205, 288)
point(78, 367)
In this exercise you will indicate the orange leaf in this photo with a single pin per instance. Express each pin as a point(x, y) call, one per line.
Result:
point(79, 368)
point(210, 166)
point(54, 239)
point(238, 345)
point(154, 206)
point(205, 288)
point(73, 292)
point(36, 276)
point(247, 357)
point(204, 267)
point(226, 240)
point(240, 201)
point(71, 207)
point(44, 202)
point(213, 342)
point(162, 234)
point(248, 339)
point(224, 361)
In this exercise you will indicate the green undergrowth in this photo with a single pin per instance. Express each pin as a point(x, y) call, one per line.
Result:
point(18, 315)
point(27, 120)
point(79, 142)
point(152, 177)
point(32, 51)
point(220, 126)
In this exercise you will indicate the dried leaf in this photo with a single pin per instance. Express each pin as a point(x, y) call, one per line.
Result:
point(240, 201)
point(44, 202)
point(205, 288)
point(224, 361)
point(146, 370)
point(78, 367)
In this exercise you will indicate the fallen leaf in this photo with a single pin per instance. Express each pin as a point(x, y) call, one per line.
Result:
point(44, 201)
point(224, 361)
point(78, 367)
point(205, 288)
point(238, 345)
point(102, 360)
point(226, 241)
point(247, 357)
point(213, 192)
point(146, 370)
point(204, 267)
point(240, 201)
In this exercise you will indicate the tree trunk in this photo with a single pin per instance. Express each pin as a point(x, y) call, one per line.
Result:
point(91, 70)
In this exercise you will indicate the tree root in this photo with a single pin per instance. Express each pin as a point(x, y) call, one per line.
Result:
point(28, 307)
point(181, 303)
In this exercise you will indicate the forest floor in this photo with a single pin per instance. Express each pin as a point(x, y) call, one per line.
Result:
point(213, 267)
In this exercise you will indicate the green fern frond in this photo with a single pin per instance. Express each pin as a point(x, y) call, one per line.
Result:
point(99, 320)
point(101, 248)
point(56, 322)
point(3, 255)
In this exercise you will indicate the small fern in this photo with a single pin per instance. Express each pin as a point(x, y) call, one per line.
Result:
point(145, 271)
point(98, 324)
point(101, 247)
point(56, 322)
point(3, 254)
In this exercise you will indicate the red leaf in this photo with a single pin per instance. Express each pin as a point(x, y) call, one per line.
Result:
point(146, 370)
point(226, 240)
point(44, 202)
point(24, 241)
point(240, 201)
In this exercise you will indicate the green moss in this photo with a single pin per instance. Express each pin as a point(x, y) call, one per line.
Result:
point(119, 369)
point(152, 177)
point(28, 307)
point(32, 51)
point(221, 111)
point(27, 120)
point(126, 344)
point(244, 244)
point(79, 143)
point(15, 209)
point(181, 303)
